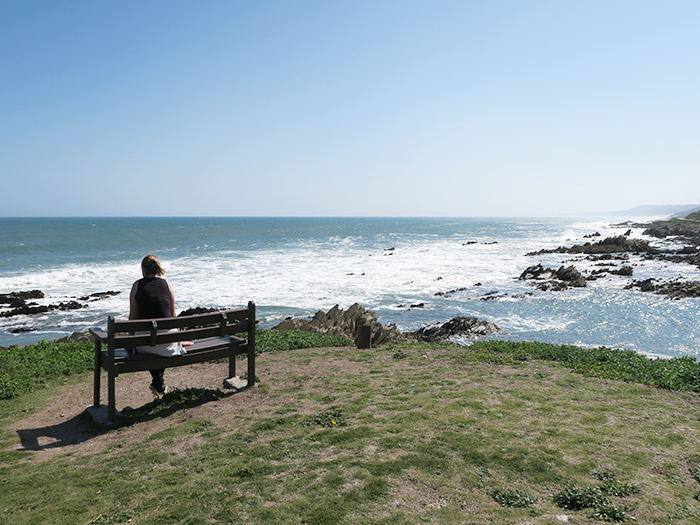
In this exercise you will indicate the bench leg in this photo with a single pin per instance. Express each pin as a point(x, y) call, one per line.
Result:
point(96, 381)
point(251, 366)
point(112, 413)
point(232, 366)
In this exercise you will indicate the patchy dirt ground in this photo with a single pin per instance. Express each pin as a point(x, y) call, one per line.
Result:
point(59, 429)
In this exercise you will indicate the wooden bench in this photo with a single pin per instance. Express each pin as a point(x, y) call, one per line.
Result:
point(213, 335)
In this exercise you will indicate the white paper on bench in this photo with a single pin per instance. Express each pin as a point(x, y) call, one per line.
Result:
point(165, 350)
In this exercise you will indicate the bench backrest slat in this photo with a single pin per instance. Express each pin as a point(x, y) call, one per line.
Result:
point(168, 323)
point(191, 327)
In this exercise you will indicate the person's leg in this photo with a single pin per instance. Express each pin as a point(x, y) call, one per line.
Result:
point(158, 383)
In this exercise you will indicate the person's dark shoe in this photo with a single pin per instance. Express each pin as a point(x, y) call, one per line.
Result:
point(157, 392)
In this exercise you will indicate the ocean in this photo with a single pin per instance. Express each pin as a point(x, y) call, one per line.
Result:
point(297, 266)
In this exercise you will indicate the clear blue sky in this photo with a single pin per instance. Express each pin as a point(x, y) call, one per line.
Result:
point(356, 108)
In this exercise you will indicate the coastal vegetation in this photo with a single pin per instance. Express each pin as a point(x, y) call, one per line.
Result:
point(498, 432)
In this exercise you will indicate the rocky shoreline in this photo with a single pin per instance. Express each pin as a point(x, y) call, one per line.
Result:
point(614, 250)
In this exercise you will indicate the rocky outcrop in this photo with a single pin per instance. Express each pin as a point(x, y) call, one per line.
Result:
point(548, 279)
point(29, 309)
point(623, 271)
point(17, 301)
point(79, 337)
point(619, 244)
point(689, 230)
point(339, 322)
point(344, 322)
point(463, 326)
point(99, 295)
point(196, 311)
point(672, 289)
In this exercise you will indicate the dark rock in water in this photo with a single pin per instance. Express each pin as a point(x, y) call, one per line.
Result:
point(596, 274)
point(608, 257)
point(548, 278)
point(619, 244)
point(596, 234)
point(625, 271)
point(647, 285)
point(449, 292)
point(688, 230)
point(536, 272)
point(680, 290)
point(572, 276)
point(673, 289)
point(417, 305)
point(8, 298)
point(20, 306)
point(198, 310)
point(551, 286)
point(468, 243)
point(492, 296)
point(464, 326)
point(104, 294)
point(98, 295)
point(25, 310)
point(70, 305)
point(20, 330)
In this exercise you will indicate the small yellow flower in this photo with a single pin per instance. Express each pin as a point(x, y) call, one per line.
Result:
point(333, 422)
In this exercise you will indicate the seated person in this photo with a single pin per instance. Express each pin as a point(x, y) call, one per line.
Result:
point(152, 298)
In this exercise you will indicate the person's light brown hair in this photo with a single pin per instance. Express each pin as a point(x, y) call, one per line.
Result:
point(151, 265)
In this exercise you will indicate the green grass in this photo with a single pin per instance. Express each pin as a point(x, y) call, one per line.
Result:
point(680, 373)
point(22, 369)
point(444, 435)
point(282, 340)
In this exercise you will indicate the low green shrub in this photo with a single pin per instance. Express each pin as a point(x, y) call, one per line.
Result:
point(695, 473)
point(513, 498)
point(612, 487)
point(613, 514)
point(603, 475)
point(574, 498)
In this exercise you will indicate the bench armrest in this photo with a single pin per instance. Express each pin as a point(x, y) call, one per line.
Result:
point(100, 335)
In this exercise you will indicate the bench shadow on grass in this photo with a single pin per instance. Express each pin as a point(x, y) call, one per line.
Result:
point(82, 428)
